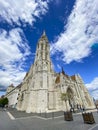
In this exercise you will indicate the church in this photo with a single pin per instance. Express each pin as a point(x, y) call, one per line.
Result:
point(43, 90)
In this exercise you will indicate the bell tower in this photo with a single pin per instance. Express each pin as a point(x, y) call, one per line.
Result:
point(42, 76)
point(42, 59)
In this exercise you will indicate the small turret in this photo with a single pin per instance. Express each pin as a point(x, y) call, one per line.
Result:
point(10, 88)
point(63, 71)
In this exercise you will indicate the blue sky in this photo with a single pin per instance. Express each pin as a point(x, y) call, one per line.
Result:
point(71, 27)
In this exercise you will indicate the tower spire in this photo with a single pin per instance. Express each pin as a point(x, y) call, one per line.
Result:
point(44, 33)
point(63, 71)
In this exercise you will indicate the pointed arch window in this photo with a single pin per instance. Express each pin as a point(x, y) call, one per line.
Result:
point(41, 46)
point(46, 47)
point(41, 54)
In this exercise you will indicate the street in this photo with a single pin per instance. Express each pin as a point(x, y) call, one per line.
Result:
point(22, 121)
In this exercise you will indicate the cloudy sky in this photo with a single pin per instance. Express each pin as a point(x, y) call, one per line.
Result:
point(71, 27)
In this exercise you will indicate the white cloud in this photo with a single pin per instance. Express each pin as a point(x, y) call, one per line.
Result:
point(24, 10)
point(93, 88)
point(80, 33)
point(95, 94)
point(13, 52)
point(93, 85)
point(59, 67)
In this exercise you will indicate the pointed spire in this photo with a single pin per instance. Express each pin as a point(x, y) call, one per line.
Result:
point(63, 71)
point(44, 33)
point(44, 37)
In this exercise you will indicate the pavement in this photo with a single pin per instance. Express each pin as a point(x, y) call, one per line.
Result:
point(11, 119)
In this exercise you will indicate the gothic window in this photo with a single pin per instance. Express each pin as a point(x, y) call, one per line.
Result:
point(45, 56)
point(22, 96)
point(37, 54)
point(41, 54)
point(36, 68)
point(41, 46)
point(46, 47)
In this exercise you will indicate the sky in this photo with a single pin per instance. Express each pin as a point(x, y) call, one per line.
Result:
point(72, 30)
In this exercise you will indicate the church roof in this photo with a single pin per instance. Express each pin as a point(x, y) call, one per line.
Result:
point(73, 77)
point(19, 86)
point(57, 79)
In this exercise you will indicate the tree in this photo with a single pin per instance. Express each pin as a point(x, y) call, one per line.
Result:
point(64, 97)
point(3, 101)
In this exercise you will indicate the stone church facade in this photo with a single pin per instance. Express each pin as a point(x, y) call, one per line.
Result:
point(12, 95)
point(42, 88)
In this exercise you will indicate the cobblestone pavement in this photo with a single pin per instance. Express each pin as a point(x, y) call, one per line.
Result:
point(20, 114)
point(43, 121)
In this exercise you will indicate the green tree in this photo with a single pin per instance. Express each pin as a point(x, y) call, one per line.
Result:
point(64, 97)
point(4, 101)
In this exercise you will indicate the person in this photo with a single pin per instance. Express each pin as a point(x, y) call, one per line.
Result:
point(72, 108)
point(77, 106)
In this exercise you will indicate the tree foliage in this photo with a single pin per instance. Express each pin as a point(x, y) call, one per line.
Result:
point(64, 96)
point(3, 101)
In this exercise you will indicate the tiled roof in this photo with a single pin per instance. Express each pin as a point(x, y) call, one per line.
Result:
point(73, 77)
point(57, 79)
